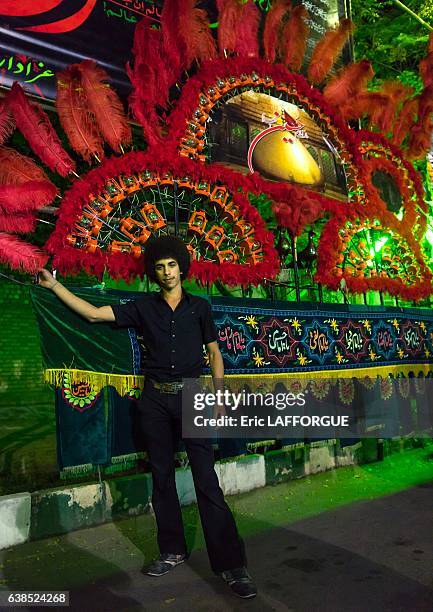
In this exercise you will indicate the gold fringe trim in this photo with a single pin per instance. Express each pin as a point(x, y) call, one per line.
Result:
point(297, 381)
point(123, 383)
point(260, 381)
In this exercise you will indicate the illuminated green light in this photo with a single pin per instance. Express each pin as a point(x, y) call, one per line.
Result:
point(429, 236)
point(380, 243)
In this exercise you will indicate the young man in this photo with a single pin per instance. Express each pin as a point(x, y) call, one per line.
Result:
point(175, 325)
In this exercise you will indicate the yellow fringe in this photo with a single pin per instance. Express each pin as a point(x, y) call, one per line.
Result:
point(123, 383)
point(264, 381)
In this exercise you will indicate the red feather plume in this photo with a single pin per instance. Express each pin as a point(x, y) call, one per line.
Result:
point(78, 122)
point(348, 83)
point(248, 42)
point(327, 51)
point(229, 15)
point(7, 123)
point(273, 26)
point(238, 26)
point(105, 105)
point(193, 24)
point(36, 128)
point(421, 132)
point(377, 106)
point(151, 79)
point(173, 43)
point(17, 224)
point(426, 69)
point(26, 196)
point(16, 168)
point(295, 218)
point(294, 39)
point(151, 75)
point(405, 121)
point(20, 255)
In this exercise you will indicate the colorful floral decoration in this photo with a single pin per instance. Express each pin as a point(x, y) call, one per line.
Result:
point(183, 79)
point(79, 395)
point(386, 387)
point(346, 390)
point(129, 203)
point(371, 255)
point(403, 386)
point(320, 388)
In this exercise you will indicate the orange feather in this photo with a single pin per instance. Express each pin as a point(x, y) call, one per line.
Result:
point(273, 27)
point(349, 82)
point(426, 69)
point(327, 51)
point(193, 24)
point(421, 132)
point(7, 123)
point(368, 104)
point(405, 120)
point(77, 120)
point(36, 128)
point(105, 105)
point(294, 39)
point(16, 169)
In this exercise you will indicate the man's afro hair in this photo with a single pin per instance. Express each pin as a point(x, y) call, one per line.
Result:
point(163, 248)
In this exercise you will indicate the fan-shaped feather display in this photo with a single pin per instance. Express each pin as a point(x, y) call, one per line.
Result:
point(36, 128)
point(106, 217)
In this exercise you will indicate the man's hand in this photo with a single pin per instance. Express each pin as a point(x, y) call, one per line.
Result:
point(93, 314)
point(46, 279)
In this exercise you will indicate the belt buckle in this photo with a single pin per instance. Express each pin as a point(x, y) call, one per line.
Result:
point(171, 388)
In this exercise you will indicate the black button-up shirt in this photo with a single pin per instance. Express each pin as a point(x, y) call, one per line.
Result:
point(173, 339)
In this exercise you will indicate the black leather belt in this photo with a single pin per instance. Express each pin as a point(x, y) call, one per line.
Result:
point(167, 387)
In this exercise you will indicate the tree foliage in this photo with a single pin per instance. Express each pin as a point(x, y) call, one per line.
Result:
point(392, 40)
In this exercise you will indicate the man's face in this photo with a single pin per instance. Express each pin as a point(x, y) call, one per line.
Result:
point(167, 273)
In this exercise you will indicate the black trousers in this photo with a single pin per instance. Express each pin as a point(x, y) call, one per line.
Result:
point(161, 425)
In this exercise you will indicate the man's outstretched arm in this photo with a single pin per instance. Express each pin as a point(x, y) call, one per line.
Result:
point(93, 314)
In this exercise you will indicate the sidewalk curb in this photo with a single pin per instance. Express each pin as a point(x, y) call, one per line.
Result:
point(32, 516)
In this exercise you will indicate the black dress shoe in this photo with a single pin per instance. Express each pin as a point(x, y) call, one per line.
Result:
point(240, 582)
point(165, 563)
